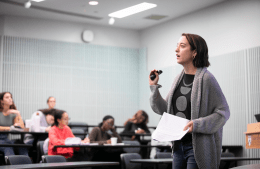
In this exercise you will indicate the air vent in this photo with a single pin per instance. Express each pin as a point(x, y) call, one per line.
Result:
point(155, 17)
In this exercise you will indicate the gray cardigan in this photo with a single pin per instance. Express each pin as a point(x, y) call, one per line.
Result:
point(209, 113)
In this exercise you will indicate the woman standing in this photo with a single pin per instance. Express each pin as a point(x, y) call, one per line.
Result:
point(197, 96)
point(9, 119)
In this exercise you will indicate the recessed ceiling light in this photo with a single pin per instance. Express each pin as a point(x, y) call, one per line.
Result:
point(37, 0)
point(93, 2)
point(132, 10)
point(111, 21)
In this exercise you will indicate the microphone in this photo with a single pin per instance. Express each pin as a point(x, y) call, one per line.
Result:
point(153, 76)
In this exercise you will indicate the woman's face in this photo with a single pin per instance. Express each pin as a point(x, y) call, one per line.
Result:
point(139, 117)
point(64, 121)
point(7, 99)
point(183, 52)
point(108, 124)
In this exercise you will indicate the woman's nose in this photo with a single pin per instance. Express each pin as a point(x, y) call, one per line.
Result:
point(177, 49)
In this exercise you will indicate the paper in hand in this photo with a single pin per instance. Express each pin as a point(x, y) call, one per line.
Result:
point(170, 128)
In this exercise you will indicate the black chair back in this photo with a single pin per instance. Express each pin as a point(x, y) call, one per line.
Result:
point(53, 159)
point(74, 124)
point(163, 155)
point(78, 131)
point(17, 159)
point(125, 161)
point(131, 150)
point(227, 164)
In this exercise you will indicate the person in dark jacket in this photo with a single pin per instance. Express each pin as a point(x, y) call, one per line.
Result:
point(136, 125)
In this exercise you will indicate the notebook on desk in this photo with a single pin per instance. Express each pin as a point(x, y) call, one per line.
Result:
point(257, 116)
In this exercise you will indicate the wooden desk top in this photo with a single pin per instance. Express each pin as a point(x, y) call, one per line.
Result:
point(60, 165)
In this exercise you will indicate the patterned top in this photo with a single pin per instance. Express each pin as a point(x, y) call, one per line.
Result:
point(181, 101)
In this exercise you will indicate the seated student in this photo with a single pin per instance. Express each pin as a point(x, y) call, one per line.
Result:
point(46, 121)
point(101, 133)
point(10, 119)
point(51, 101)
point(137, 125)
point(58, 134)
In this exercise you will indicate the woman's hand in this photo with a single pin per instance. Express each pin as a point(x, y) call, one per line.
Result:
point(48, 129)
point(86, 140)
point(133, 137)
point(109, 141)
point(155, 81)
point(140, 131)
point(190, 126)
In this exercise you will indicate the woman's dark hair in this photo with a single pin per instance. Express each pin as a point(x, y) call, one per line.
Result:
point(2, 98)
point(48, 111)
point(146, 117)
point(104, 119)
point(199, 44)
point(57, 115)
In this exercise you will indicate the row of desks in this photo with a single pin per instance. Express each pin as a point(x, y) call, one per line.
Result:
point(95, 164)
point(82, 164)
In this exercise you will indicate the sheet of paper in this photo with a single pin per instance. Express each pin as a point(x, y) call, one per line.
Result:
point(170, 128)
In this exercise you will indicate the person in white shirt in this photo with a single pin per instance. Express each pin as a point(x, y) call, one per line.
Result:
point(46, 118)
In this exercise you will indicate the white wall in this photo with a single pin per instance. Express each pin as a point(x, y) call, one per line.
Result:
point(227, 27)
point(69, 31)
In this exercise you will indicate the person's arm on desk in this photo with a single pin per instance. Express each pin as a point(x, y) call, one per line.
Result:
point(4, 128)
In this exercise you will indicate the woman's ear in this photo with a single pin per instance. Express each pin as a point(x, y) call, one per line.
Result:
point(194, 54)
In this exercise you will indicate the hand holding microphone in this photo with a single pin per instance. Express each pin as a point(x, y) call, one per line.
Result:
point(154, 77)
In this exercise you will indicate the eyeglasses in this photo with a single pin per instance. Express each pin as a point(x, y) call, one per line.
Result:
point(67, 119)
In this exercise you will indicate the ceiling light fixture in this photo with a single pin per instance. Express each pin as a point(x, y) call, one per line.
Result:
point(27, 4)
point(132, 10)
point(111, 21)
point(93, 3)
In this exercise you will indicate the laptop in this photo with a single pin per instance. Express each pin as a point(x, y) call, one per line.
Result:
point(257, 116)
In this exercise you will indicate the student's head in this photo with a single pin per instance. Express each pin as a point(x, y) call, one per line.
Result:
point(49, 114)
point(141, 117)
point(61, 118)
point(6, 100)
point(107, 123)
point(193, 49)
point(51, 101)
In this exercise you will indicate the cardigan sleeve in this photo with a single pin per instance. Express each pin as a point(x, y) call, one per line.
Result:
point(158, 104)
point(217, 106)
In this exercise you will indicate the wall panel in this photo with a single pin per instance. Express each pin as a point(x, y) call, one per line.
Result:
point(88, 81)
